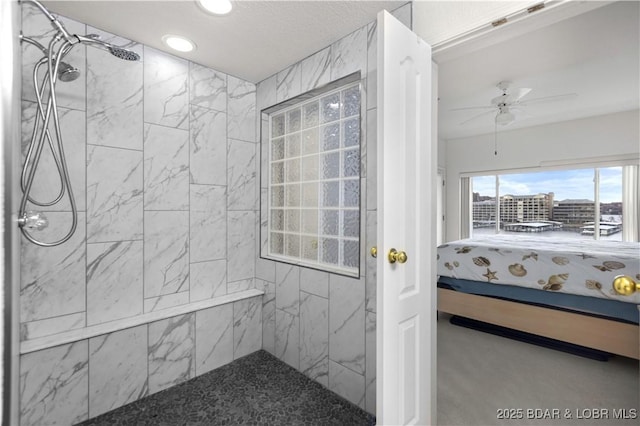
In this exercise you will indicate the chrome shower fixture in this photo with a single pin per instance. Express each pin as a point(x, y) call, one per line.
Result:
point(117, 51)
point(47, 112)
point(67, 72)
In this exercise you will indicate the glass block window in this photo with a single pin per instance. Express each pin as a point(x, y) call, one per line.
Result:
point(314, 181)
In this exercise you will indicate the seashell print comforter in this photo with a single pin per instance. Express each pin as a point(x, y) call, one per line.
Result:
point(583, 267)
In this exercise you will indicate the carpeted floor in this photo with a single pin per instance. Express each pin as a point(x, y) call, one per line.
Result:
point(481, 375)
point(258, 389)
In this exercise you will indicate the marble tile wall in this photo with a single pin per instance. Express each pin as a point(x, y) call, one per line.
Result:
point(70, 383)
point(320, 323)
point(162, 155)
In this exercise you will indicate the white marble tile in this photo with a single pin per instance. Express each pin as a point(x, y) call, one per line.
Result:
point(166, 301)
point(240, 285)
point(114, 281)
point(114, 194)
point(36, 26)
point(53, 279)
point(266, 93)
point(264, 164)
point(117, 369)
point(268, 315)
point(241, 176)
point(208, 146)
point(166, 168)
point(370, 363)
point(404, 14)
point(46, 182)
point(208, 223)
point(288, 83)
point(288, 288)
point(315, 71)
point(214, 338)
point(241, 109)
point(349, 54)
point(288, 338)
point(247, 326)
point(53, 385)
point(347, 384)
point(208, 88)
point(266, 270)
point(166, 252)
point(114, 103)
point(314, 337)
point(346, 322)
point(241, 245)
point(208, 279)
point(314, 282)
point(166, 89)
point(50, 326)
point(171, 352)
point(371, 263)
point(372, 65)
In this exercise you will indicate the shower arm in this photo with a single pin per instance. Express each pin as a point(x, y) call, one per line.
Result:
point(54, 21)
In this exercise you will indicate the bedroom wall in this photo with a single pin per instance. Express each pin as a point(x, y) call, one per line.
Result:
point(320, 323)
point(162, 155)
point(586, 140)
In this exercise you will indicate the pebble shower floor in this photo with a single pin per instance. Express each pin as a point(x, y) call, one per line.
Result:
point(257, 389)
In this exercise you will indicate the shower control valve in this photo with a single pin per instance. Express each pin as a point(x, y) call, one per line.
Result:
point(33, 220)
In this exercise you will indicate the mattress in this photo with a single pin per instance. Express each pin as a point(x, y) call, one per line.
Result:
point(580, 267)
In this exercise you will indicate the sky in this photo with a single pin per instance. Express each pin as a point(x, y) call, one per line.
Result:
point(566, 184)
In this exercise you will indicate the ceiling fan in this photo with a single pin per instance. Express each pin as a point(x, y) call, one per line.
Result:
point(508, 103)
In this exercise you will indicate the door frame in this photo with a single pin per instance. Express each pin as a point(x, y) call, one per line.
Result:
point(519, 23)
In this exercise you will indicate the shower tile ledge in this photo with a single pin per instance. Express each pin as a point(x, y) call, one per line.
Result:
point(71, 336)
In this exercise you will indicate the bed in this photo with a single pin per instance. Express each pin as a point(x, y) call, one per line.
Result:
point(559, 289)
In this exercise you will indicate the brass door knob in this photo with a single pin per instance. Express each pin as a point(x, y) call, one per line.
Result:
point(397, 256)
point(374, 251)
point(625, 285)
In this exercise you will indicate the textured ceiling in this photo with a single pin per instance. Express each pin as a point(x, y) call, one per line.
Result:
point(595, 55)
point(256, 40)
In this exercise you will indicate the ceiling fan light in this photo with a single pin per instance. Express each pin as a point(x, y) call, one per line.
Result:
point(505, 118)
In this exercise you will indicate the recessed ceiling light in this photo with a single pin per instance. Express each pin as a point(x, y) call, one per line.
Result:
point(179, 43)
point(217, 7)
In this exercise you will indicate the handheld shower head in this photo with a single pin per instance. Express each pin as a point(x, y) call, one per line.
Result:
point(117, 51)
point(125, 54)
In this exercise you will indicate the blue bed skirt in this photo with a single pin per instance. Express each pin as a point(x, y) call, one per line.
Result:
point(611, 309)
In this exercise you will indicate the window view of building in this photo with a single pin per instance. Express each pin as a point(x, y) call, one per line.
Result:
point(555, 203)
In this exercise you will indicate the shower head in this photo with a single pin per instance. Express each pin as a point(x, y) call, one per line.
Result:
point(117, 51)
point(122, 53)
point(67, 72)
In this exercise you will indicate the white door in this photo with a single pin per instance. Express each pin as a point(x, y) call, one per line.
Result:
point(406, 331)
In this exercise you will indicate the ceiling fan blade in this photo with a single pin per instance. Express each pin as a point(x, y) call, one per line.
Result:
point(473, 107)
point(478, 116)
point(549, 99)
point(519, 94)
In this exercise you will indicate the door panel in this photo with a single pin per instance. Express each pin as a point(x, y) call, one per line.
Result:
point(406, 223)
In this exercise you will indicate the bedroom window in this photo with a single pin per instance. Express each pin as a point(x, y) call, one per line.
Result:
point(313, 213)
point(577, 204)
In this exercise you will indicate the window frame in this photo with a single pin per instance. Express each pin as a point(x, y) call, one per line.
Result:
point(345, 83)
point(551, 166)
